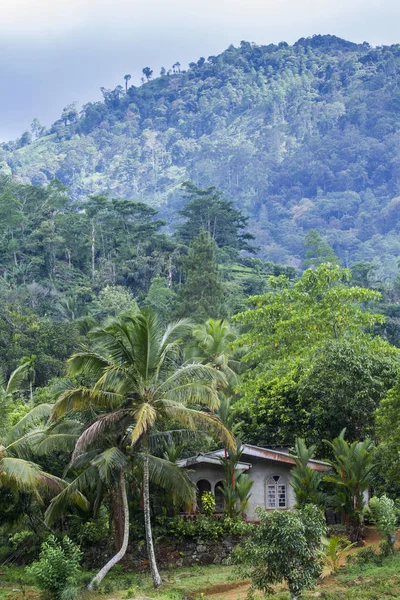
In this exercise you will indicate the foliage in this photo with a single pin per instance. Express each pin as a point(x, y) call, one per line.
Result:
point(366, 555)
point(208, 503)
point(284, 546)
point(289, 332)
point(208, 210)
point(57, 570)
point(201, 295)
point(335, 548)
point(305, 480)
point(352, 464)
point(202, 527)
point(383, 512)
point(388, 434)
point(303, 136)
point(236, 486)
point(318, 252)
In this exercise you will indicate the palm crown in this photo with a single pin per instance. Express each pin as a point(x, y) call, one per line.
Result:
point(140, 383)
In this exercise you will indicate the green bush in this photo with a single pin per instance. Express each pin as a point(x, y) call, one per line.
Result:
point(367, 555)
point(286, 545)
point(383, 513)
point(201, 528)
point(57, 570)
point(208, 502)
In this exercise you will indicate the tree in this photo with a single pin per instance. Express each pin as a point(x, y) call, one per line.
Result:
point(289, 331)
point(147, 72)
point(214, 344)
point(352, 463)
point(318, 251)
point(201, 296)
point(343, 386)
point(141, 386)
point(207, 209)
point(306, 481)
point(285, 545)
point(127, 78)
point(388, 442)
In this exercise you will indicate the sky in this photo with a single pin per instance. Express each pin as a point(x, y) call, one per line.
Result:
point(55, 52)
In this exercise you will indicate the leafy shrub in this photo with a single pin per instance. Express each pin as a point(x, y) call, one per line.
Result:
point(208, 502)
point(201, 528)
point(25, 545)
point(57, 570)
point(383, 513)
point(366, 555)
point(94, 530)
point(286, 545)
point(386, 548)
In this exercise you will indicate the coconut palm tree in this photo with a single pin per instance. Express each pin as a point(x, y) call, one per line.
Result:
point(127, 78)
point(141, 384)
point(17, 469)
point(214, 344)
point(102, 461)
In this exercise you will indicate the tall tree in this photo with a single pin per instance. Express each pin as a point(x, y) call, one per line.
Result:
point(318, 251)
point(141, 385)
point(127, 78)
point(286, 333)
point(202, 295)
point(207, 209)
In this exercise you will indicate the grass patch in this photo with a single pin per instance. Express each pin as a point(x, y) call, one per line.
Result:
point(353, 582)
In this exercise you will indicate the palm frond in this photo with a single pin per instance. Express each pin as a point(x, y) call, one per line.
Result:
point(79, 399)
point(17, 377)
point(27, 476)
point(197, 420)
point(172, 478)
point(37, 415)
point(72, 494)
point(145, 418)
point(108, 463)
point(57, 442)
point(90, 363)
point(96, 431)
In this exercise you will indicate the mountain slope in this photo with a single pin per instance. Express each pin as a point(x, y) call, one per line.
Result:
point(300, 137)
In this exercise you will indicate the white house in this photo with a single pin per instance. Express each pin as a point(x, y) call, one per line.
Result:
point(268, 469)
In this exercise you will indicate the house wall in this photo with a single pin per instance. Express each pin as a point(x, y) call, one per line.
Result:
point(261, 471)
point(212, 473)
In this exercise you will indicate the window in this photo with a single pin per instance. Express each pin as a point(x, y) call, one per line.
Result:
point(275, 492)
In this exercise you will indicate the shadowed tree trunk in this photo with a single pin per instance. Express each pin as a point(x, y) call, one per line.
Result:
point(147, 523)
point(122, 551)
point(117, 517)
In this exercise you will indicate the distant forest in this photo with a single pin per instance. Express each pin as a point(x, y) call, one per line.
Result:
point(302, 137)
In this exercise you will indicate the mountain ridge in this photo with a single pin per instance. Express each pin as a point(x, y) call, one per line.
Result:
point(300, 137)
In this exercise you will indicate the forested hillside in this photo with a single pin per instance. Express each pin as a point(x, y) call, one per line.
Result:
point(300, 137)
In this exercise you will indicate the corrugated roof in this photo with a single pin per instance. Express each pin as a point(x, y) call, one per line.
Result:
point(256, 452)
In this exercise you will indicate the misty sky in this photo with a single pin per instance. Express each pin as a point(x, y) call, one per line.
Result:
point(54, 52)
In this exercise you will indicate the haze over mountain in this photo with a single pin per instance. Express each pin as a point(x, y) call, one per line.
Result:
point(300, 137)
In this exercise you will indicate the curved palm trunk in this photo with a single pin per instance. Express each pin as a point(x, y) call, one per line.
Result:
point(121, 553)
point(147, 524)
